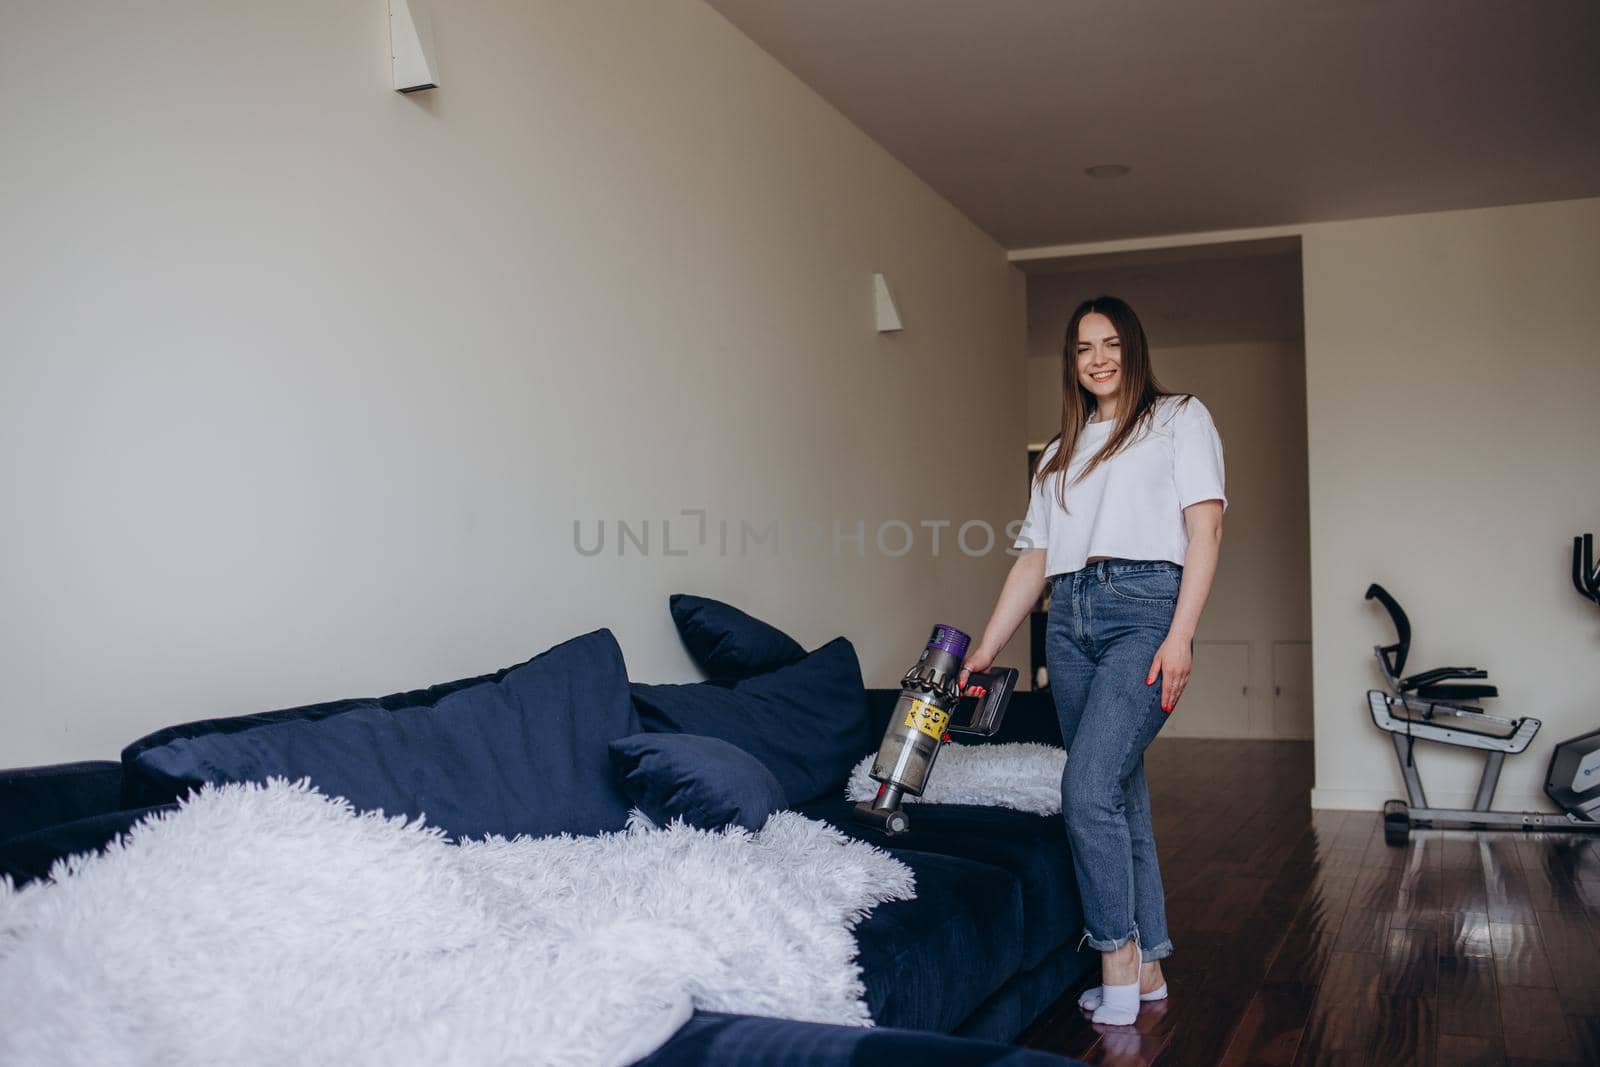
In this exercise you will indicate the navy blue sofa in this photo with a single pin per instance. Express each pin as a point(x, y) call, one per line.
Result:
point(988, 943)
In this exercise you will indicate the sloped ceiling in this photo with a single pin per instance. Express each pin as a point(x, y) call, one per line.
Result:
point(1231, 113)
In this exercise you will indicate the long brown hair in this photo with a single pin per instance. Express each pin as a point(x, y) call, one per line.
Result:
point(1137, 391)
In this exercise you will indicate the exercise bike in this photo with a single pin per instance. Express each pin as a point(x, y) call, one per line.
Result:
point(1440, 705)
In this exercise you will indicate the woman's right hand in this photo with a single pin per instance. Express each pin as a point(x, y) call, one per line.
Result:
point(980, 660)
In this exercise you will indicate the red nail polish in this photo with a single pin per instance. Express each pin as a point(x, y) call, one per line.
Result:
point(1166, 709)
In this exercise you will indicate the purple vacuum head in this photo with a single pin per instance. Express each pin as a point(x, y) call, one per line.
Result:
point(950, 640)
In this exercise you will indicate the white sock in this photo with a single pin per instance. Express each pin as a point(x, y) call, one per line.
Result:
point(1091, 998)
point(1119, 1005)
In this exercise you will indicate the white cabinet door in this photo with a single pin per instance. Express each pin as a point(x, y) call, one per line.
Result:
point(1291, 689)
point(1217, 702)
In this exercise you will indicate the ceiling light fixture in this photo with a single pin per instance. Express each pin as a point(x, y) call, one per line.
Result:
point(1107, 170)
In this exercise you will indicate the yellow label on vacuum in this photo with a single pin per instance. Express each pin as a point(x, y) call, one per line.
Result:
point(927, 719)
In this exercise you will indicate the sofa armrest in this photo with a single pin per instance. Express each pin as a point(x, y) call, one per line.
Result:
point(712, 1037)
point(32, 798)
point(1031, 716)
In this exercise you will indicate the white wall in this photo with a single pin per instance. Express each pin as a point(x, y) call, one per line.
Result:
point(1453, 364)
point(1451, 372)
point(305, 382)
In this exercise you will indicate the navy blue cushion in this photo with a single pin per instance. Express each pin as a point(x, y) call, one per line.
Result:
point(807, 722)
point(704, 781)
point(523, 755)
point(929, 962)
point(141, 787)
point(32, 798)
point(1032, 848)
point(726, 642)
point(31, 855)
point(715, 1038)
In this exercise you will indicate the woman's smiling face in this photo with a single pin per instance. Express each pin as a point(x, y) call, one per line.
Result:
point(1099, 358)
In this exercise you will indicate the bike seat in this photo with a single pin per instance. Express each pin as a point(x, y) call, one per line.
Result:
point(1442, 674)
point(1456, 693)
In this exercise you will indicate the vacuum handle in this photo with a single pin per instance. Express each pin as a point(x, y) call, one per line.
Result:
point(983, 703)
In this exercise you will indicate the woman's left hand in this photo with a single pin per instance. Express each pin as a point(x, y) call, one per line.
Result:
point(1173, 661)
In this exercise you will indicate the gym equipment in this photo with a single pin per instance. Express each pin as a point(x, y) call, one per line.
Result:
point(1575, 765)
point(928, 712)
point(1585, 573)
point(1436, 706)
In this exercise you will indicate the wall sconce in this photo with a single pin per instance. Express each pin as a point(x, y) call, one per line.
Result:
point(888, 316)
point(411, 46)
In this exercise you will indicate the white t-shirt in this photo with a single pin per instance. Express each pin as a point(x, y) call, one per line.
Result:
point(1131, 505)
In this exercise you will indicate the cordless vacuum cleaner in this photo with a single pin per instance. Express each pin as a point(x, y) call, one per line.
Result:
point(928, 712)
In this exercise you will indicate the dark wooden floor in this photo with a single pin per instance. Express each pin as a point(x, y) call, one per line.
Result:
point(1303, 939)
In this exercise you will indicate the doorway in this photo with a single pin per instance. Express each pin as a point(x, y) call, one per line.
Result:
point(1225, 322)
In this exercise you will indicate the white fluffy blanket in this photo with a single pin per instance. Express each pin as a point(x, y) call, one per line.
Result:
point(1023, 775)
point(271, 925)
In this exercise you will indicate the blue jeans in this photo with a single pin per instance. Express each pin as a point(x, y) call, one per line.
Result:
point(1106, 623)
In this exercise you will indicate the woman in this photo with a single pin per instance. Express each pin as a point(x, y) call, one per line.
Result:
point(1125, 523)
